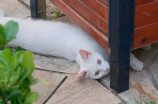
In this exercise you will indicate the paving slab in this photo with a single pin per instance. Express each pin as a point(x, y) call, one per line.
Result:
point(140, 85)
point(45, 90)
point(55, 64)
point(144, 82)
point(85, 91)
point(13, 8)
point(153, 67)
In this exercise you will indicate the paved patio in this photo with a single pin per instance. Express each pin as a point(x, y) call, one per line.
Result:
point(60, 73)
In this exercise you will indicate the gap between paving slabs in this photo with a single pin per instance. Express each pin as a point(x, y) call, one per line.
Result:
point(50, 83)
point(86, 91)
point(57, 65)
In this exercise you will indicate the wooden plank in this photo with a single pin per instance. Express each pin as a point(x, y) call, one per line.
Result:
point(95, 33)
point(38, 9)
point(41, 6)
point(146, 14)
point(146, 35)
point(102, 11)
point(141, 2)
point(105, 2)
point(137, 2)
point(121, 31)
point(86, 91)
point(89, 15)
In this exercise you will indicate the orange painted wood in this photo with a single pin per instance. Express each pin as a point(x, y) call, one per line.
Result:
point(137, 2)
point(97, 7)
point(95, 33)
point(147, 32)
point(89, 15)
point(146, 14)
point(146, 35)
point(141, 2)
point(105, 2)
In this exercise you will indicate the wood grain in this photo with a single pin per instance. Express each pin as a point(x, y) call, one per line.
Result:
point(97, 7)
point(146, 35)
point(89, 15)
point(137, 2)
point(95, 33)
point(105, 2)
point(141, 2)
point(41, 6)
point(142, 36)
point(146, 14)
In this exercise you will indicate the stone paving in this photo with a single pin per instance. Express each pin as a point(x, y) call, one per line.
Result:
point(66, 90)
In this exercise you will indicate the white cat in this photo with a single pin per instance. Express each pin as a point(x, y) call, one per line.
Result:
point(66, 41)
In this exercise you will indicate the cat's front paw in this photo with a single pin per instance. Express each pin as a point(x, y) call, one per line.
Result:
point(137, 65)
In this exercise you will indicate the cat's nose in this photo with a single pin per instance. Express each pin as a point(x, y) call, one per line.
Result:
point(107, 69)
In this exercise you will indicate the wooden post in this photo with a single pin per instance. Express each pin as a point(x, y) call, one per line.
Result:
point(121, 32)
point(38, 9)
point(41, 7)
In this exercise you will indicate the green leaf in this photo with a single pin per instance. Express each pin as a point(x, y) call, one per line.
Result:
point(13, 92)
point(18, 56)
point(27, 61)
point(7, 55)
point(11, 30)
point(14, 66)
point(40, 11)
point(7, 41)
point(4, 76)
point(31, 98)
point(2, 67)
point(25, 73)
point(2, 40)
point(1, 30)
point(5, 64)
point(18, 49)
point(14, 77)
point(35, 81)
point(8, 23)
point(13, 100)
point(2, 102)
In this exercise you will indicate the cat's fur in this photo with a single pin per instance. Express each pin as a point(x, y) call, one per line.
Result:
point(66, 41)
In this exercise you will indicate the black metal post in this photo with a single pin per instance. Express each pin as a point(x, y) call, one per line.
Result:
point(121, 33)
point(33, 4)
point(38, 9)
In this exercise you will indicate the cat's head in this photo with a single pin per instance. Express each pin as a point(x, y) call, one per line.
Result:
point(92, 65)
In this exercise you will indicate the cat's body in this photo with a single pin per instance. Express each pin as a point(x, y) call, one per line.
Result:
point(66, 41)
point(52, 38)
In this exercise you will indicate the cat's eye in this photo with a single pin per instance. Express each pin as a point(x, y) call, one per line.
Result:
point(97, 73)
point(99, 61)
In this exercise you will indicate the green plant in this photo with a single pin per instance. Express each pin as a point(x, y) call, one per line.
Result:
point(145, 101)
point(44, 16)
point(57, 14)
point(16, 69)
point(8, 32)
point(16, 77)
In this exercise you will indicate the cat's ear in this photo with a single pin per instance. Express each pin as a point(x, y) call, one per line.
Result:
point(84, 54)
point(81, 75)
